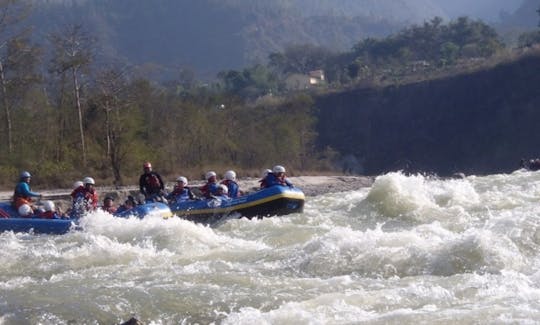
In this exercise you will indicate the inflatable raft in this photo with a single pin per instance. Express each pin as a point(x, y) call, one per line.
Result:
point(530, 164)
point(11, 221)
point(272, 201)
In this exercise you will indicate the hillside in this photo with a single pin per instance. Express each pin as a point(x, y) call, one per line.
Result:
point(481, 122)
point(488, 10)
point(209, 36)
point(525, 17)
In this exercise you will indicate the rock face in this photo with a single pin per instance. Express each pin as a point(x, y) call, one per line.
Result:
point(477, 123)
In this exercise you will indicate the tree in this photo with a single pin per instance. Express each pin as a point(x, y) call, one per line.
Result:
point(73, 53)
point(251, 82)
point(299, 59)
point(112, 99)
point(11, 13)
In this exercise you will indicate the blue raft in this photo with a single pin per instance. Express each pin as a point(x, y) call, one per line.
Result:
point(11, 221)
point(152, 208)
point(272, 201)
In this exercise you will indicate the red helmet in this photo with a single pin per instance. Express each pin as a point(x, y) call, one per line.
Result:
point(147, 165)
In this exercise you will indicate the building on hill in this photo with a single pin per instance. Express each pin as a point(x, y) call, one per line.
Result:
point(316, 77)
point(298, 81)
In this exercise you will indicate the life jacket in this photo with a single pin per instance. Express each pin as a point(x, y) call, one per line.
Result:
point(21, 200)
point(209, 189)
point(181, 195)
point(77, 193)
point(90, 200)
point(152, 183)
point(48, 215)
point(233, 188)
point(271, 180)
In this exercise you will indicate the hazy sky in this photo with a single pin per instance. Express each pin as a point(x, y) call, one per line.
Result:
point(485, 9)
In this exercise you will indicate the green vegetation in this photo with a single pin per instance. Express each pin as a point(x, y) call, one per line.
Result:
point(66, 115)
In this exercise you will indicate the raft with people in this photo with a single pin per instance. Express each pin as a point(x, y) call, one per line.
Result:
point(11, 220)
point(276, 200)
point(530, 164)
point(224, 200)
point(276, 196)
point(57, 224)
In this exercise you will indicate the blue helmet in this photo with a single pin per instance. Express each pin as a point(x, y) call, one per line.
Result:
point(25, 174)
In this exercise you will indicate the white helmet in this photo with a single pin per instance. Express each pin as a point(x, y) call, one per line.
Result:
point(224, 188)
point(48, 206)
point(230, 175)
point(182, 179)
point(265, 172)
point(25, 210)
point(77, 184)
point(278, 169)
point(89, 180)
point(210, 174)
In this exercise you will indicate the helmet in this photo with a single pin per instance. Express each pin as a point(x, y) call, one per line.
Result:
point(278, 169)
point(265, 172)
point(230, 175)
point(48, 206)
point(210, 174)
point(182, 179)
point(25, 174)
point(89, 180)
point(77, 184)
point(147, 165)
point(25, 210)
point(224, 188)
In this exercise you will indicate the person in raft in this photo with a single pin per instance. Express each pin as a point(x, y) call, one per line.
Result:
point(210, 188)
point(277, 177)
point(221, 192)
point(232, 185)
point(262, 181)
point(129, 204)
point(90, 196)
point(181, 191)
point(108, 205)
point(22, 195)
point(50, 212)
point(151, 184)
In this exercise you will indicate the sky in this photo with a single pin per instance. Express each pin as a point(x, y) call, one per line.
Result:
point(486, 9)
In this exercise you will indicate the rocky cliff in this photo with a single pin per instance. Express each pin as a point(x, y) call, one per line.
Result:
point(481, 122)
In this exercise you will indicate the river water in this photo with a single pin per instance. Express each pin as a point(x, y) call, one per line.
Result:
point(408, 249)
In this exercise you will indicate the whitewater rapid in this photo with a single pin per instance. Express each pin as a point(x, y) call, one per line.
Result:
point(408, 249)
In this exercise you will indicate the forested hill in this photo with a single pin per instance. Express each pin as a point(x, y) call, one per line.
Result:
point(209, 36)
point(480, 123)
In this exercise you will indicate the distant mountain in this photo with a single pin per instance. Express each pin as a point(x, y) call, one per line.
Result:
point(212, 35)
point(526, 16)
point(209, 36)
point(487, 10)
point(408, 11)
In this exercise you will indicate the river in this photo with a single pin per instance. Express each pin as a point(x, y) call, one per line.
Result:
point(405, 250)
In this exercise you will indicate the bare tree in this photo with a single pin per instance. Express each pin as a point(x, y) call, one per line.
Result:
point(113, 99)
point(12, 12)
point(73, 53)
